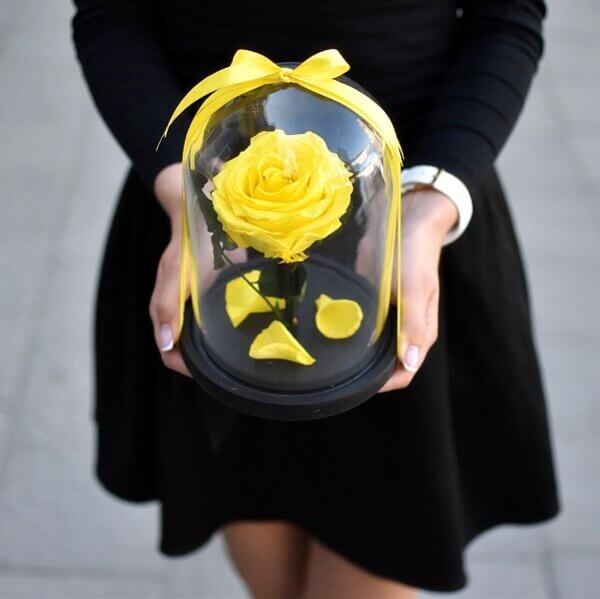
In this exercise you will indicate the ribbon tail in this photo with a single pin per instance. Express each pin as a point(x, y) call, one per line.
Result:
point(188, 278)
point(201, 89)
point(197, 128)
point(373, 114)
point(241, 71)
point(183, 269)
point(399, 273)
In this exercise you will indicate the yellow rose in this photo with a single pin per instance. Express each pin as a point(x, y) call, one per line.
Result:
point(282, 193)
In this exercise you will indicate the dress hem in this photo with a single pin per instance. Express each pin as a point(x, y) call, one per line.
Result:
point(410, 580)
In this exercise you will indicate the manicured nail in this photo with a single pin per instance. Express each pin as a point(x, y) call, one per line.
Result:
point(165, 338)
point(411, 358)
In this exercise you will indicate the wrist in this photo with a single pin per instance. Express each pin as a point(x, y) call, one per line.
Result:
point(429, 209)
point(167, 189)
point(422, 177)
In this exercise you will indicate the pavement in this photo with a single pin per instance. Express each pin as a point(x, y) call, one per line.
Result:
point(61, 536)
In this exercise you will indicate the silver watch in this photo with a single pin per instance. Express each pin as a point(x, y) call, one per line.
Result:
point(426, 176)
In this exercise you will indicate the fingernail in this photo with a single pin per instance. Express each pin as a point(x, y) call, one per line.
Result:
point(411, 358)
point(165, 338)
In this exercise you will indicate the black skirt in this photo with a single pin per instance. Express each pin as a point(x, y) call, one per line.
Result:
point(398, 485)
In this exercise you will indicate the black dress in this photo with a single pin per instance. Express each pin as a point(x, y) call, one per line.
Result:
point(402, 483)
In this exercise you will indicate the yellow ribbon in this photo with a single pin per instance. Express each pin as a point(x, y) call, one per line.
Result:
point(249, 70)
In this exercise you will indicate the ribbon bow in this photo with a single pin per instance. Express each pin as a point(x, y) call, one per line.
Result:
point(249, 70)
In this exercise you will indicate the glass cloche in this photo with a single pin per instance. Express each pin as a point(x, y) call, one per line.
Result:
point(290, 233)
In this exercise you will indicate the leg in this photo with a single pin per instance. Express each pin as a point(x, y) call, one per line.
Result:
point(270, 557)
point(329, 576)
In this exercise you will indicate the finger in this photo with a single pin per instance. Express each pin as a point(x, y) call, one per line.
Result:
point(430, 328)
point(432, 320)
point(164, 305)
point(174, 360)
point(416, 296)
point(400, 378)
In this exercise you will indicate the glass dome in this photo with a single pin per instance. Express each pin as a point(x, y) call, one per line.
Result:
point(291, 233)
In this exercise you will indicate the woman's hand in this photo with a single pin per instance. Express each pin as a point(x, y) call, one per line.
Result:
point(427, 216)
point(164, 303)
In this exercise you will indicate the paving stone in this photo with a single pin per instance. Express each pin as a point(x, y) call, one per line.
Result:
point(101, 170)
point(547, 215)
point(576, 97)
point(550, 202)
point(52, 511)
point(565, 297)
point(579, 468)
point(35, 177)
point(54, 515)
point(575, 408)
point(578, 17)
point(9, 14)
point(4, 438)
point(587, 150)
point(577, 575)
point(506, 542)
point(14, 325)
point(565, 48)
point(49, 586)
point(498, 579)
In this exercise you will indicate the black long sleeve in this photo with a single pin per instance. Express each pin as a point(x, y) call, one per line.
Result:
point(500, 44)
point(473, 73)
point(130, 80)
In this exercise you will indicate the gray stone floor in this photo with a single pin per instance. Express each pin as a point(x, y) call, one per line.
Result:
point(60, 535)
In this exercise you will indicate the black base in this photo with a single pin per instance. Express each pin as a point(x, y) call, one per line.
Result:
point(296, 406)
point(336, 359)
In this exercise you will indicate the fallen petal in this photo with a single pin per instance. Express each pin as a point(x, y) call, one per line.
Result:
point(337, 318)
point(277, 343)
point(243, 299)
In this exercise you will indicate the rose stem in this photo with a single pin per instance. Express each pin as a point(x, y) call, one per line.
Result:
point(286, 273)
point(254, 286)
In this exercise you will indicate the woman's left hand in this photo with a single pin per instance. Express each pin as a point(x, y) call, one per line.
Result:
point(427, 216)
point(164, 303)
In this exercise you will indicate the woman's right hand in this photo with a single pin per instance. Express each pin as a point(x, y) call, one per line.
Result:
point(427, 217)
point(164, 303)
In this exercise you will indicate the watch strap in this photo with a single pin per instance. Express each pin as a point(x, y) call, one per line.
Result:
point(444, 182)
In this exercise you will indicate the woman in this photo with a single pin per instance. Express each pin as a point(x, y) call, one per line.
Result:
point(384, 498)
